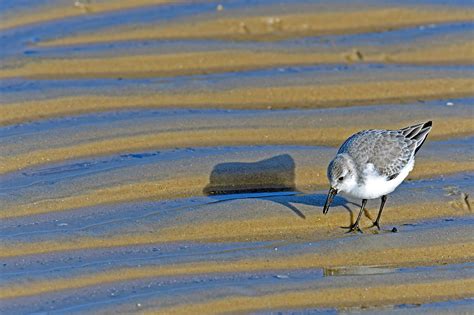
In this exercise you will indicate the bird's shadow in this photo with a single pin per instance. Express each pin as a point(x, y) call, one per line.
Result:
point(270, 179)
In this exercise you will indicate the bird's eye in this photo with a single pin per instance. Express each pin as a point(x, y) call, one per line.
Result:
point(341, 178)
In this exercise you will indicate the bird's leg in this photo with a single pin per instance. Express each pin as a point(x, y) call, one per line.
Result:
point(355, 226)
point(382, 204)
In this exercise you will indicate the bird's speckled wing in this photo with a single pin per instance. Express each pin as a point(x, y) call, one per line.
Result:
point(388, 150)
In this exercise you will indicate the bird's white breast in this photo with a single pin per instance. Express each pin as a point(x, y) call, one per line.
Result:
point(375, 186)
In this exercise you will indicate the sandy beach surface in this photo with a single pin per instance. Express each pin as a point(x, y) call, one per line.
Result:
point(169, 157)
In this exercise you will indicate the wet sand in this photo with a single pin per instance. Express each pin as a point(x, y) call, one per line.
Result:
point(314, 227)
point(413, 293)
point(244, 98)
point(278, 26)
point(306, 261)
point(67, 10)
point(226, 61)
point(163, 140)
point(165, 157)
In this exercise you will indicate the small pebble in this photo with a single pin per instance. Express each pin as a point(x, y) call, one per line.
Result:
point(394, 230)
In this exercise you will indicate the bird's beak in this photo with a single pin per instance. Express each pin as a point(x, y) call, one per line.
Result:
point(332, 192)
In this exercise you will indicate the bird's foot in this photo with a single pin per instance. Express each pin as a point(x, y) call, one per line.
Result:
point(353, 228)
point(375, 224)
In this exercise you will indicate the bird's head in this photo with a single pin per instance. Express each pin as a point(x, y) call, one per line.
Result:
point(342, 176)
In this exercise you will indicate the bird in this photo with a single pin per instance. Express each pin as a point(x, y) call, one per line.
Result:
point(372, 163)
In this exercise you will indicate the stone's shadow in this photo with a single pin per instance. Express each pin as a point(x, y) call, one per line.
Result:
point(270, 175)
point(254, 179)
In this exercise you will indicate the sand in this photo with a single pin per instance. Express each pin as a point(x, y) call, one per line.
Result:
point(165, 140)
point(331, 95)
point(187, 154)
point(314, 227)
point(224, 61)
point(278, 26)
point(378, 295)
point(78, 8)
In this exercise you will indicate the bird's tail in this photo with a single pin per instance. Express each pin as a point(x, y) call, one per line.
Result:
point(417, 132)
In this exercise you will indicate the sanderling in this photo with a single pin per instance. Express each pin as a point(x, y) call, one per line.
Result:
point(372, 163)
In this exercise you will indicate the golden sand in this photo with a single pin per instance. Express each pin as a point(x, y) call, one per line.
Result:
point(287, 226)
point(390, 293)
point(290, 227)
point(430, 254)
point(278, 223)
point(154, 190)
point(446, 128)
point(301, 96)
point(225, 61)
point(280, 26)
point(165, 64)
point(307, 178)
point(459, 53)
point(52, 13)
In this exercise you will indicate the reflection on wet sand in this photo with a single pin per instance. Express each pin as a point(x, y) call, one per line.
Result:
point(410, 255)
